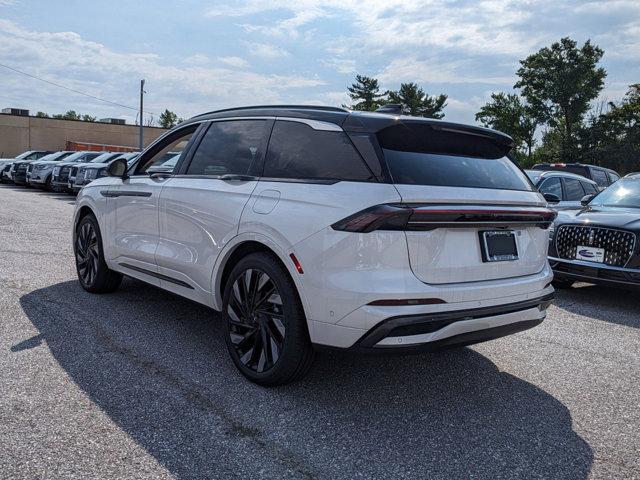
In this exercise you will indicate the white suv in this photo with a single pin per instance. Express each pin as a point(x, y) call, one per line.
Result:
point(317, 226)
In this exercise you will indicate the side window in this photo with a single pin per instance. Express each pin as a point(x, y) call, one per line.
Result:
point(229, 147)
point(573, 189)
point(613, 177)
point(552, 185)
point(599, 177)
point(164, 156)
point(298, 151)
point(589, 188)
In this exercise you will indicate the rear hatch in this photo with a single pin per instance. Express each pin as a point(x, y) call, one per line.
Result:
point(476, 216)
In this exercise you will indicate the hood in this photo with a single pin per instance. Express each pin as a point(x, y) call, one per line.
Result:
point(96, 165)
point(615, 217)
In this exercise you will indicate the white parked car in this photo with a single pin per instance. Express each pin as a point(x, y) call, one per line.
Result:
point(312, 226)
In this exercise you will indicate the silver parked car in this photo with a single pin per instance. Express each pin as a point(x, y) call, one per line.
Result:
point(568, 187)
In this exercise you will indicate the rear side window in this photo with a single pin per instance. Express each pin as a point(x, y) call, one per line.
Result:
point(600, 177)
point(573, 189)
point(589, 188)
point(613, 177)
point(229, 147)
point(298, 151)
point(552, 185)
point(420, 155)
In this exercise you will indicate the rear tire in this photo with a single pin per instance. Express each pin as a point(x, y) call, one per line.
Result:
point(93, 273)
point(47, 184)
point(265, 326)
point(562, 284)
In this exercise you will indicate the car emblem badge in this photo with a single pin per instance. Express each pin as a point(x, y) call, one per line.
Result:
point(592, 235)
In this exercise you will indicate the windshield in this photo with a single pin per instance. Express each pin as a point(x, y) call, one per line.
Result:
point(24, 155)
point(53, 157)
point(624, 193)
point(105, 157)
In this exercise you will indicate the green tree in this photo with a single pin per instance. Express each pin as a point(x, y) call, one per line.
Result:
point(42, 115)
point(168, 119)
point(365, 91)
point(509, 114)
point(88, 118)
point(415, 101)
point(612, 139)
point(559, 82)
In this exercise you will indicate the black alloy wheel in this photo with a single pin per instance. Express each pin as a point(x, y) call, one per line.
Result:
point(87, 254)
point(266, 327)
point(93, 273)
point(256, 320)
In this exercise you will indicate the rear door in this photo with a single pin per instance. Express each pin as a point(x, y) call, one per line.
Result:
point(200, 206)
point(455, 179)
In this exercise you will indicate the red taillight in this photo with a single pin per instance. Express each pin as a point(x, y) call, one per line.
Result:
point(430, 217)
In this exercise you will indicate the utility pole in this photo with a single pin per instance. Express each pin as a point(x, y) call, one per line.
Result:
point(142, 92)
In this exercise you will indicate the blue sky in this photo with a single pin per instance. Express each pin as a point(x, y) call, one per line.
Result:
point(198, 56)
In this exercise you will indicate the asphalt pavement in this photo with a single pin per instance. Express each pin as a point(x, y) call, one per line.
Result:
point(138, 384)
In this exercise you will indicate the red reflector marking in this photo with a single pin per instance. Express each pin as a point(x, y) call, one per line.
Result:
point(406, 302)
point(296, 263)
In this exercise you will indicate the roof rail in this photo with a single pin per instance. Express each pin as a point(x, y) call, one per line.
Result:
point(300, 107)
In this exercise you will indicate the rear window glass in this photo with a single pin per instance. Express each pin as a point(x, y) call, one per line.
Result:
point(573, 189)
point(600, 177)
point(420, 155)
point(297, 151)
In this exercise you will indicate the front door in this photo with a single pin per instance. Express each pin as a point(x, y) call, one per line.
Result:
point(134, 206)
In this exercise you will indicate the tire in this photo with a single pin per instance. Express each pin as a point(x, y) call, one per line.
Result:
point(265, 326)
point(47, 184)
point(562, 284)
point(93, 274)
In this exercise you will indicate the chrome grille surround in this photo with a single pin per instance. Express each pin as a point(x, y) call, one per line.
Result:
point(618, 245)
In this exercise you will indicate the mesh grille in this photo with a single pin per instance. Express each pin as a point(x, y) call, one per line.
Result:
point(63, 176)
point(618, 244)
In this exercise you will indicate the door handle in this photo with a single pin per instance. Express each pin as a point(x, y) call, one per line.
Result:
point(233, 176)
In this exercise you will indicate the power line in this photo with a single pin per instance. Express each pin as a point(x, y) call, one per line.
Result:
point(69, 89)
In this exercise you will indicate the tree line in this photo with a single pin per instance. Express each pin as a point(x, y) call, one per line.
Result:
point(167, 119)
point(552, 113)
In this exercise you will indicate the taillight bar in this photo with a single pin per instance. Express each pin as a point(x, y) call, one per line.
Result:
point(431, 217)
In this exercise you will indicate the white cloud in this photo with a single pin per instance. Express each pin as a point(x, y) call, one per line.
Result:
point(68, 59)
point(265, 50)
point(237, 62)
point(341, 65)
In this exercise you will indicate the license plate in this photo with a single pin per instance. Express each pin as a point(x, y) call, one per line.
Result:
point(590, 254)
point(499, 246)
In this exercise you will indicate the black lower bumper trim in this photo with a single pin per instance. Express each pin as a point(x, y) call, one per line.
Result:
point(419, 324)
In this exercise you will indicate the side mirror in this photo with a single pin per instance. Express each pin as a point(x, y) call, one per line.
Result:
point(551, 197)
point(118, 168)
point(586, 199)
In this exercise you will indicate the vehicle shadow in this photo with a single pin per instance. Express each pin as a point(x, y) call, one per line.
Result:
point(608, 304)
point(50, 194)
point(157, 366)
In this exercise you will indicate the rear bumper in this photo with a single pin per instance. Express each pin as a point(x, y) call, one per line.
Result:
point(426, 333)
point(590, 272)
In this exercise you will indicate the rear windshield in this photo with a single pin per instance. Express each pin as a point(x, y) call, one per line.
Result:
point(425, 156)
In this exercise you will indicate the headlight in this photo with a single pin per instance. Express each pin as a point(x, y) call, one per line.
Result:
point(552, 230)
point(102, 172)
point(56, 171)
point(90, 173)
